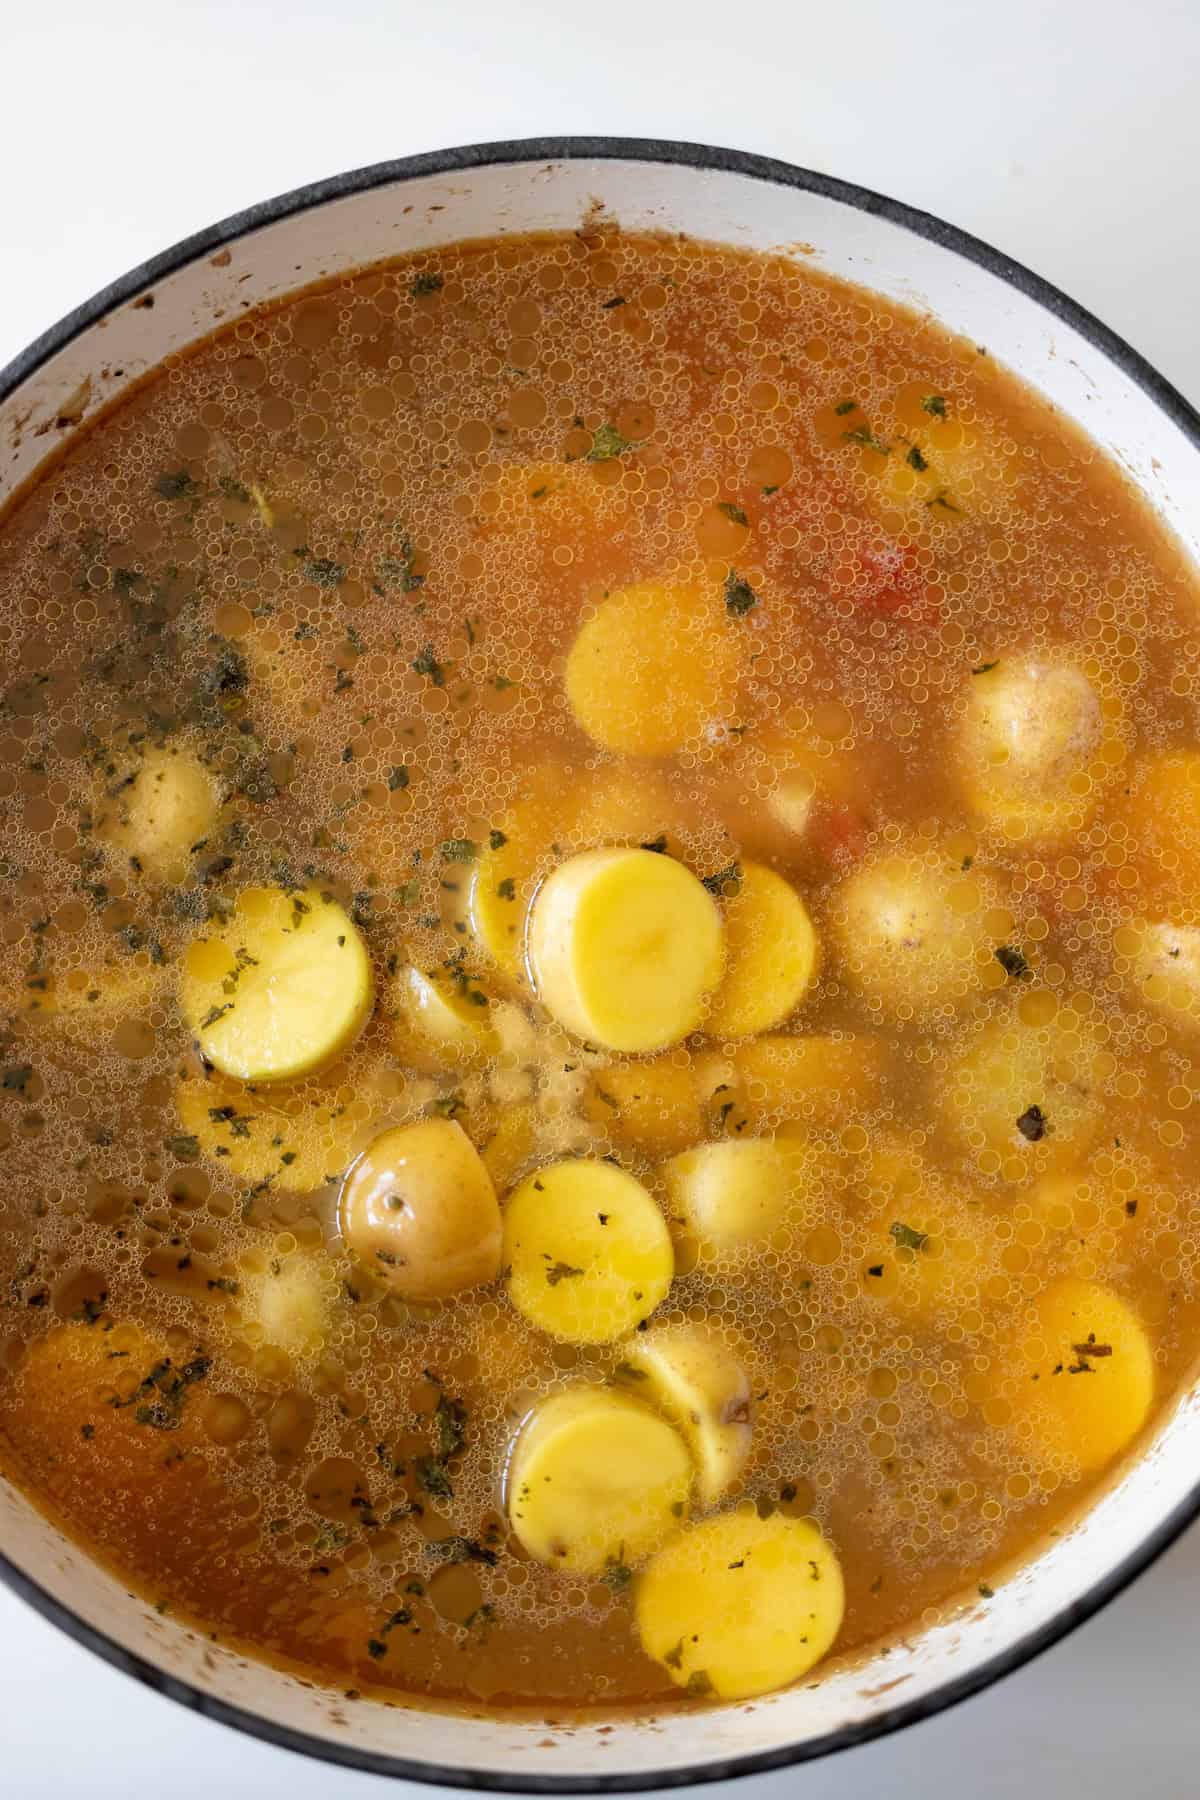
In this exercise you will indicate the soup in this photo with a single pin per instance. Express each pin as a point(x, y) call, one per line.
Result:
point(601, 973)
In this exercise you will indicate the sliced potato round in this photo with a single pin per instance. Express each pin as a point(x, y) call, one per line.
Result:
point(160, 811)
point(771, 951)
point(294, 1138)
point(1084, 1377)
point(1034, 746)
point(1161, 965)
point(280, 989)
point(737, 1605)
point(687, 1373)
point(441, 1019)
point(594, 1480)
point(419, 1210)
point(652, 1106)
point(588, 1251)
point(1026, 1091)
point(1158, 804)
point(742, 1190)
point(652, 667)
point(625, 948)
point(913, 935)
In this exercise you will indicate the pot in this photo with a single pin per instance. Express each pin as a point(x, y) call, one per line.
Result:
point(102, 350)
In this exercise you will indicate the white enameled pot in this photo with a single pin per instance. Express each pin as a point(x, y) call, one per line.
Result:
point(98, 353)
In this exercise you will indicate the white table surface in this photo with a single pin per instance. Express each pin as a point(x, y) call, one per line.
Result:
point(1067, 133)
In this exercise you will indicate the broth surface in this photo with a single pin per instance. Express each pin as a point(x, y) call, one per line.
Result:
point(335, 564)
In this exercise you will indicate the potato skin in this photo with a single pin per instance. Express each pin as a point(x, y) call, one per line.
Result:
point(419, 1209)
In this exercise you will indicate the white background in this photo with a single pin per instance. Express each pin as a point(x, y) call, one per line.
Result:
point(1067, 133)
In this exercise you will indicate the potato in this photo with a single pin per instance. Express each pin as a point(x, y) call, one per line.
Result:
point(441, 1018)
point(653, 667)
point(1026, 1090)
point(558, 811)
point(587, 1249)
point(1155, 815)
point(1034, 746)
point(913, 933)
point(296, 1139)
point(280, 989)
point(1160, 964)
point(595, 1480)
point(289, 1305)
point(738, 1605)
point(625, 948)
point(771, 955)
point(651, 1106)
point(160, 810)
point(1079, 1375)
point(419, 1210)
point(744, 1190)
point(687, 1373)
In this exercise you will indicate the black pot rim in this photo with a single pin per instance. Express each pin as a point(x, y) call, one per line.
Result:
point(1165, 396)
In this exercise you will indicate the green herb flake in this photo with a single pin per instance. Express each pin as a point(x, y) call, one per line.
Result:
point(426, 283)
point(906, 1237)
point(184, 1147)
point(427, 664)
point(733, 513)
point(935, 405)
point(607, 443)
point(915, 460)
point(324, 572)
point(561, 1271)
point(176, 485)
point(726, 881)
point(865, 439)
point(1013, 962)
point(397, 778)
point(1033, 1124)
point(459, 850)
point(985, 668)
point(740, 597)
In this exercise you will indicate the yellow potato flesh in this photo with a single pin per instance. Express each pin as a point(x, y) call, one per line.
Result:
point(296, 1139)
point(440, 1020)
point(625, 948)
point(771, 955)
point(742, 1191)
point(588, 1251)
point(162, 813)
point(280, 989)
point(652, 667)
point(912, 937)
point(1085, 1373)
point(595, 1480)
point(738, 1605)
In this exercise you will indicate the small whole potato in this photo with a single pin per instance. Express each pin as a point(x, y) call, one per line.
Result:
point(419, 1209)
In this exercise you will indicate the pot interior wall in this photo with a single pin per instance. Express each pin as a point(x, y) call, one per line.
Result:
point(214, 286)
